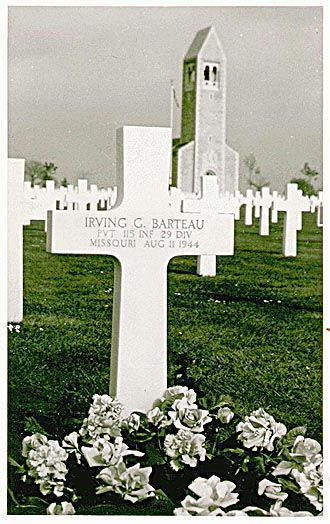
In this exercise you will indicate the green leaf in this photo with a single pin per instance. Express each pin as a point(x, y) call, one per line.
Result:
point(154, 456)
point(225, 400)
point(245, 464)
point(288, 440)
point(260, 464)
point(161, 495)
point(12, 496)
point(289, 485)
point(236, 451)
point(37, 501)
point(13, 462)
point(33, 426)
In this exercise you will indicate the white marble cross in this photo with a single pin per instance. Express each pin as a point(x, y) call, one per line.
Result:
point(294, 205)
point(265, 204)
point(256, 203)
point(212, 203)
point(16, 219)
point(306, 206)
point(248, 201)
point(319, 207)
point(143, 232)
point(274, 210)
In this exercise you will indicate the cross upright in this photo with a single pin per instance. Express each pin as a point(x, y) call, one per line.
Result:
point(265, 203)
point(319, 206)
point(248, 201)
point(209, 202)
point(274, 210)
point(17, 216)
point(293, 205)
point(143, 232)
point(256, 203)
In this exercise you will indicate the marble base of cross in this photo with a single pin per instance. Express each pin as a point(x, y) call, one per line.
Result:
point(143, 232)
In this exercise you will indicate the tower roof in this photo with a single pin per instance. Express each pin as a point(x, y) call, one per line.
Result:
point(198, 42)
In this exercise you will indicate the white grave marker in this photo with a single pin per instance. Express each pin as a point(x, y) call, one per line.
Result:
point(212, 204)
point(257, 204)
point(274, 211)
point(265, 203)
point(293, 206)
point(248, 201)
point(143, 233)
point(15, 239)
point(306, 206)
point(320, 209)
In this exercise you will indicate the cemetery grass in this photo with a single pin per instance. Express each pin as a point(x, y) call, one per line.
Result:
point(253, 332)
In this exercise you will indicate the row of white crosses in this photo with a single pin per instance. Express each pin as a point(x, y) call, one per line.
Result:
point(32, 203)
point(26, 203)
point(266, 206)
point(43, 199)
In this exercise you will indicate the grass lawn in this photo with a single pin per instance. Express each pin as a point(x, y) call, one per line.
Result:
point(253, 332)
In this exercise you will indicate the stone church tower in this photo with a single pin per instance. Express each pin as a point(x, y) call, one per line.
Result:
point(202, 148)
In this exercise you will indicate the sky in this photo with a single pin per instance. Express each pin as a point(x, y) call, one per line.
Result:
point(76, 74)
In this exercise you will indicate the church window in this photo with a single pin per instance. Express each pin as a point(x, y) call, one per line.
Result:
point(189, 76)
point(211, 76)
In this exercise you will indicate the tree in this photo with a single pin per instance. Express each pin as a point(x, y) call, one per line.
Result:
point(33, 171)
point(306, 184)
point(308, 171)
point(64, 182)
point(48, 172)
point(38, 172)
point(255, 179)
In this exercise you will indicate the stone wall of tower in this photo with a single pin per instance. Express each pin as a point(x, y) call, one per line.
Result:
point(231, 169)
point(185, 167)
point(188, 105)
point(210, 116)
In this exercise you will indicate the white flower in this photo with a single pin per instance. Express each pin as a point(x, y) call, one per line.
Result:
point(306, 450)
point(259, 430)
point(283, 468)
point(188, 416)
point(310, 482)
point(104, 418)
point(181, 512)
point(178, 392)
point(183, 448)
point(70, 444)
point(158, 418)
point(105, 452)
point(271, 490)
point(306, 468)
point(131, 483)
point(225, 414)
point(33, 442)
point(45, 460)
point(277, 510)
point(65, 508)
point(245, 512)
point(213, 494)
point(132, 423)
point(10, 327)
